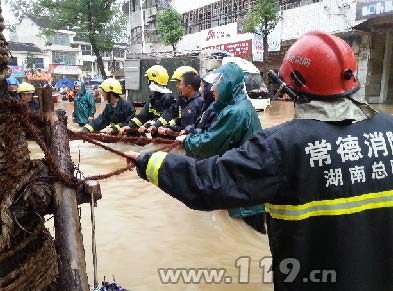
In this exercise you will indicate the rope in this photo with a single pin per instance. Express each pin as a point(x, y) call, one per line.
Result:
point(33, 122)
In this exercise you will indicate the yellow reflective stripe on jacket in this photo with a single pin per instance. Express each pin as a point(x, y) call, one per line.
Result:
point(89, 127)
point(154, 165)
point(340, 206)
point(162, 120)
point(155, 112)
point(172, 122)
point(117, 126)
point(137, 121)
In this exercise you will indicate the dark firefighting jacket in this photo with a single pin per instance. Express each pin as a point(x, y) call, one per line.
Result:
point(113, 115)
point(188, 112)
point(34, 106)
point(204, 121)
point(152, 111)
point(328, 189)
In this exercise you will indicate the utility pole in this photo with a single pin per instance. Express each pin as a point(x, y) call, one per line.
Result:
point(129, 24)
point(113, 64)
point(142, 25)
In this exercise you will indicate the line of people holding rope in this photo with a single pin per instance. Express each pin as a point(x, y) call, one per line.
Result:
point(207, 121)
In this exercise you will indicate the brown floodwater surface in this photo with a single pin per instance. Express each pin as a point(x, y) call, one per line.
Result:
point(140, 229)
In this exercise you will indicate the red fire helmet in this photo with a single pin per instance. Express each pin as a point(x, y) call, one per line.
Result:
point(320, 64)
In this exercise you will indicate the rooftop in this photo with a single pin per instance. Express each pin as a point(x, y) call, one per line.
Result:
point(23, 47)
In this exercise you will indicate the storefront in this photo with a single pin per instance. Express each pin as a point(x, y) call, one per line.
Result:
point(65, 71)
point(39, 77)
point(378, 23)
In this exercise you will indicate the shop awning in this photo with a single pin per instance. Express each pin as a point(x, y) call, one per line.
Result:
point(383, 23)
point(65, 69)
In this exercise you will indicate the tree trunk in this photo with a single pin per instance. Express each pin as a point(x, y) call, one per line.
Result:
point(100, 63)
point(69, 241)
point(93, 41)
point(174, 49)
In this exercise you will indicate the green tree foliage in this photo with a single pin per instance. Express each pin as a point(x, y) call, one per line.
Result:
point(262, 18)
point(99, 22)
point(18, 8)
point(170, 27)
point(30, 61)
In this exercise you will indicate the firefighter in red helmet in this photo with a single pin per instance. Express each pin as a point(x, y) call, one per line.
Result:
point(325, 177)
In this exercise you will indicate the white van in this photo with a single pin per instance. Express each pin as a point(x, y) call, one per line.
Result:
point(254, 85)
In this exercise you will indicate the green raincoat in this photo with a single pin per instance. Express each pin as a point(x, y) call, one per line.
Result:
point(84, 106)
point(236, 122)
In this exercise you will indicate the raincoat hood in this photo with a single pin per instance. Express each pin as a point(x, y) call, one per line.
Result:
point(83, 88)
point(230, 85)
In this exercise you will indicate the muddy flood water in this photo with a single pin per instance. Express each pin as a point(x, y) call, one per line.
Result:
point(140, 229)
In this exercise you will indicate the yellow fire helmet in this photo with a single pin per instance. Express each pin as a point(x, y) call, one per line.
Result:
point(111, 85)
point(178, 74)
point(158, 74)
point(25, 88)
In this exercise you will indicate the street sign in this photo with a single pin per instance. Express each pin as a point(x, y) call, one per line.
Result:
point(132, 72)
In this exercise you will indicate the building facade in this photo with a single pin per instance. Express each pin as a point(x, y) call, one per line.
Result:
point(61, 54)
point(144, 39)
point(366, 25)
point(376, 21)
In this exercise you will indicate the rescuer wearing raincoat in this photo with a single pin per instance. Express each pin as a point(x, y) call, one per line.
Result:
point(326, 176)
point(84, 105)
point(236, 121)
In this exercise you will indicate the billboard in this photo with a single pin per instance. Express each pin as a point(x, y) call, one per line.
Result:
point(274, 42)
point(17, 71)
point(238, 49)
point(366, 9)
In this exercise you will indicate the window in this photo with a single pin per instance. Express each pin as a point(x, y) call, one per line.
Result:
point(39, 63)
point(117, 66)
point(86, 49)
point(106, 54)
point(215, 14)
point(13, 61)
point(290, 4)
point(114, 66)
point(133, 6)
point(59, 39)
point(87, 66)
point(63, 58)
point(118, 53)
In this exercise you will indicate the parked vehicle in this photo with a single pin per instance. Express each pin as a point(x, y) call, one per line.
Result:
point(256, 89)
point(90, 86)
